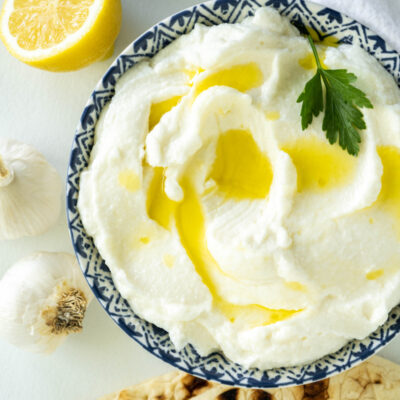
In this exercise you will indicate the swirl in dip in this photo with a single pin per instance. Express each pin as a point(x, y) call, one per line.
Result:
point(226, 224)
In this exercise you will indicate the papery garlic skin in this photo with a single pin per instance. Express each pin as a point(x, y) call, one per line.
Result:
point(33, 291)
point(30, 191)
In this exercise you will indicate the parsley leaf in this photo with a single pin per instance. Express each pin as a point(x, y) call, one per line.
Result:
point(342, 118)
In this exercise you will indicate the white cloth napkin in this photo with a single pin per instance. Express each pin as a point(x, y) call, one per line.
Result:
point(382, 16)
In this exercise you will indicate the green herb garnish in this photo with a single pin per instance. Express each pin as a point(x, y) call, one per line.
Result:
point(342, 116)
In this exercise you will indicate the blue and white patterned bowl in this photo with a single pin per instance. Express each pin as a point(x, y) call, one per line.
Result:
point(214, 366)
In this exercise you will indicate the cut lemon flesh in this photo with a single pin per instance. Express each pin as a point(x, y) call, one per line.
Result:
point(60, 35)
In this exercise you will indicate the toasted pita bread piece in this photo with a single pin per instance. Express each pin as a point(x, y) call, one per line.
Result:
point(374, 379)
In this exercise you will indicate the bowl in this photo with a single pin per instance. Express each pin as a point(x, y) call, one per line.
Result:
point(215, 366)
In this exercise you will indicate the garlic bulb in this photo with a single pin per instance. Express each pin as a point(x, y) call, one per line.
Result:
point(30, 191)
point(43, 298)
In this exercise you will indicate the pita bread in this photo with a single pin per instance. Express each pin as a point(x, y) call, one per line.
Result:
point(375, 379)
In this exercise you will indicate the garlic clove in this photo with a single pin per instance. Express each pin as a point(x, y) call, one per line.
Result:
point(30, 191)
point(43, 298)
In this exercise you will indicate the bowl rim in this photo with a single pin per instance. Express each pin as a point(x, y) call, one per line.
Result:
point(265, 381)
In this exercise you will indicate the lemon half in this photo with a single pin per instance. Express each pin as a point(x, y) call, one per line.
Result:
point(60, 35)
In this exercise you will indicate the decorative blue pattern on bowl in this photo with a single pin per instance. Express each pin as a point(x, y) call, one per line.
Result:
point(214, 366)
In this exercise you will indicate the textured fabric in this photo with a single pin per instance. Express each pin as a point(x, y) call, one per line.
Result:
point(382, 16)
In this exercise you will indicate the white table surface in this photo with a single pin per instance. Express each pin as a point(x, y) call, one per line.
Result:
point(43, 108)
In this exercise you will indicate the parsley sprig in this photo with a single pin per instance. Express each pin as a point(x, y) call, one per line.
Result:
point(342, 118)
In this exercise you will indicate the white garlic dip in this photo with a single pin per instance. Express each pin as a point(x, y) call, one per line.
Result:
point(226, 224)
